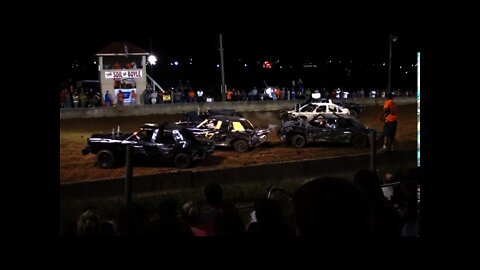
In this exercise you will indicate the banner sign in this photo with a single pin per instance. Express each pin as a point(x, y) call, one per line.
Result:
point(121, 74)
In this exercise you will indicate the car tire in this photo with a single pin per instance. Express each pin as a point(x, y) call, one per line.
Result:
point(353, 113)
point(240, 146)
point(298, 141)
point(105, 159)
point(182, 160)
point(359, 141)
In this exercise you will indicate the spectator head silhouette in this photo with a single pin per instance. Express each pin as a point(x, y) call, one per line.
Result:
point(214, 194)
point(228, 221)
point(88, 224)
point(191, 212)
point(369, 183)
point(132, 220)
point(332, 207)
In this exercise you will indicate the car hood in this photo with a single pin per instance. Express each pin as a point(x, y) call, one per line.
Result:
point(187, 124)
point(261, 131)
point(196, 130)
point(115, 136)
point(296, 122)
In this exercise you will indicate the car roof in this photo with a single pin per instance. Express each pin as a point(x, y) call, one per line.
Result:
point(227, 118)
point(323, 103)
point(150, 126)
point(223, 112)
point(171, 126)
point(333, 116)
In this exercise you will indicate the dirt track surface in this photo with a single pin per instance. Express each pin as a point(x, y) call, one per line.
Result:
point(76, 167)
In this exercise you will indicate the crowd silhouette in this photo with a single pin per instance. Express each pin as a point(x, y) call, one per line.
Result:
point(326, 207)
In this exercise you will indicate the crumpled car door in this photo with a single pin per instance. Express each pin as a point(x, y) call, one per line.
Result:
point(221, 132)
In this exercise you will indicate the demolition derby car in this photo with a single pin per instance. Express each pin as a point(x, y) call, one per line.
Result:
point(193, 118)
point(328, 128)
point(310, 110)
point(230, 131)
point(354, 108)
point(152, 142)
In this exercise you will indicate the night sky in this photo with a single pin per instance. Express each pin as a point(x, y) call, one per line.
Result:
point(293, 44)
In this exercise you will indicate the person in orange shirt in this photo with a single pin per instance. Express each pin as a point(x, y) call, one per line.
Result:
point(389, 117)
point(229, 94)
point(191, 95)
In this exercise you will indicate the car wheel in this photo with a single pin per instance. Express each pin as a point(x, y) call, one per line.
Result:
point(182, 160)
point(353, 113)
point(360, 141)
point(298, 141)
point(105, 159)
point(240, 146)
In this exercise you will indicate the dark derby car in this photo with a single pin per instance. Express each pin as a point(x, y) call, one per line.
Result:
point(153, 142)
point(326, 128)
point(231, 131)
point(194, 118)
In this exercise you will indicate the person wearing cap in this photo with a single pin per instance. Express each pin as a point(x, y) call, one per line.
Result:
point(389, 117)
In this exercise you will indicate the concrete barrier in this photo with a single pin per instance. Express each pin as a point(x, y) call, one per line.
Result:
point(176, 108)
point(268, 173)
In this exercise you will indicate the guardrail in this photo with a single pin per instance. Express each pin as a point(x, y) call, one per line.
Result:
point(176, 108)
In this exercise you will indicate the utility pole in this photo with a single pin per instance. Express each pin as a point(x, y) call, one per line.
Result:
point(223, 86)
point(392, 39)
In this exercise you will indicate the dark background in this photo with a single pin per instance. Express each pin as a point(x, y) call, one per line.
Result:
point(349, 55)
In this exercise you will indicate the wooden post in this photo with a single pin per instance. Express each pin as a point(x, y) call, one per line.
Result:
point(128, 178)
point(373, 153)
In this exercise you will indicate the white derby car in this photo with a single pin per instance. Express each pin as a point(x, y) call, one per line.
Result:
point(311, 110)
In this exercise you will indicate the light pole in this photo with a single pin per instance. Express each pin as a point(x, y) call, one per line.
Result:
point(223, 87)
point(152, 60)
point(392, 39)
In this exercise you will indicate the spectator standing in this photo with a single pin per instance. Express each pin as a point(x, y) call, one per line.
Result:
point(389, 116)
point(108, 100)
point(200, 95)
point(133, 100)
point(153, 97)
point(76, 99)
point(160, 97)
point(62, 98)
point(83, 99)
point(120, 98)
point(191, 95)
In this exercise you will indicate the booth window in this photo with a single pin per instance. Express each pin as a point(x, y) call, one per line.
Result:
point(122, 62)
